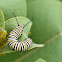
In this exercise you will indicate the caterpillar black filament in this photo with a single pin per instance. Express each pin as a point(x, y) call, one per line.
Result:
point(13, 38)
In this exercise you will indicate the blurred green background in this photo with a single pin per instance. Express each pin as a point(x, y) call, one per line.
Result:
point(46, 28)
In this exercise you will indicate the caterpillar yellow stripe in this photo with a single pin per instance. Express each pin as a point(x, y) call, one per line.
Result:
point(13, 39)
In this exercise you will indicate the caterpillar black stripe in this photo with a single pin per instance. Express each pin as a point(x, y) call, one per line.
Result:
point(13, 40)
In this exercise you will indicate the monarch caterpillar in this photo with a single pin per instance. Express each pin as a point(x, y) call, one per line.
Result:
point(13, 39)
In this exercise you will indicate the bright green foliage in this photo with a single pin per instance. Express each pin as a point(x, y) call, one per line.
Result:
point(46, 28)
point(40, 60)
point(2, 19)
point(12, 24)
point(13, 6)
point(47, 24)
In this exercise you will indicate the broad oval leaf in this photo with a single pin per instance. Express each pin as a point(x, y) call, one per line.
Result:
point(47, 26)
point(18, 7)
point(11, 24)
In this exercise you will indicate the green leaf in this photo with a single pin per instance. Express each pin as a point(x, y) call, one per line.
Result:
point(11, 24)
point(47, 26)
point(2, 19)
point(52, 50)
point(40, 60)
point(35, 45)
point(18, 7)
point(47, 23)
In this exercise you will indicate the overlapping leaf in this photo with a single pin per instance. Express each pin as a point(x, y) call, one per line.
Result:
point(11, 24)
point(47, 24)
point(13, 6)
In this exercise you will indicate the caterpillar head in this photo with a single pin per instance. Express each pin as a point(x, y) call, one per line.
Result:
point(22, 25)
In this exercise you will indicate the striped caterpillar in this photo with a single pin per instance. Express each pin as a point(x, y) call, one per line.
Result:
point(13, 39)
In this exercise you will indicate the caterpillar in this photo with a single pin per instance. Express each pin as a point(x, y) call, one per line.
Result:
point(13, 39)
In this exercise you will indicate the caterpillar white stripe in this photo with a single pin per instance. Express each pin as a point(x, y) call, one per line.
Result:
point(13, 39)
